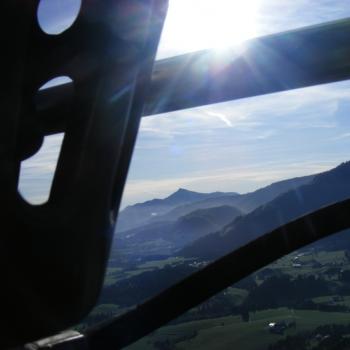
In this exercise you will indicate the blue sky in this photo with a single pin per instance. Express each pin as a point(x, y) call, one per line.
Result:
point(242, 145)
point(235, 146)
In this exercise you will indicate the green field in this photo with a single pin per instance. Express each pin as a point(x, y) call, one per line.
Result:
point(203, 328)
point(307, 261)
point(173, 261)
point(115, 274)
point(231, 332)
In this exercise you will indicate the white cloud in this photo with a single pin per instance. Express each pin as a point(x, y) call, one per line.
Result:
point(221, 117)
point(341, 137)
point(312, 106)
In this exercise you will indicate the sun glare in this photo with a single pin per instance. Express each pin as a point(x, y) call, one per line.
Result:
point(199, 24)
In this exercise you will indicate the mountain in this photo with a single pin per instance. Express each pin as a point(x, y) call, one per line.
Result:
point(217, 216)
point(182, 196)
point(325, 188)
point(253, 200)
point(142, 213)
point(162, 238)
point(245, 202)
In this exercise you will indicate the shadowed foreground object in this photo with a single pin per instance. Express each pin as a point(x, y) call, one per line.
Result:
point(54, 255)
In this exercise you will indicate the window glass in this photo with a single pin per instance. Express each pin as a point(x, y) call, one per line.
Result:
point(36, 173)
point(193, 25)
point(301, 301)
point(205, 181)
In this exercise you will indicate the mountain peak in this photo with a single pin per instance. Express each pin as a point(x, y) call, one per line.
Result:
point(183, 194)
point(182, 190)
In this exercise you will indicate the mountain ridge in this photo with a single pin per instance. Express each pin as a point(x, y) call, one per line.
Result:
point(244, 202)
point(325, 188)
point(142, 213)
point(167, 237)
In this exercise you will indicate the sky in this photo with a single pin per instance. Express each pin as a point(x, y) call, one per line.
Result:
point(234, 146)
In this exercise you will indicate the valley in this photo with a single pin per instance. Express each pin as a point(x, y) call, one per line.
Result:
point(298, 294)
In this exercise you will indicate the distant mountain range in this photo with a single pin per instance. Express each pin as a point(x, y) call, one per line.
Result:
point(245, 202)
point(165, 226)
point(183, 202)
point(324, 189)
point(165, 237)
point(152, 210)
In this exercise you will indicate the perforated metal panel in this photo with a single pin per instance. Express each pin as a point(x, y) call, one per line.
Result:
point(53, 256)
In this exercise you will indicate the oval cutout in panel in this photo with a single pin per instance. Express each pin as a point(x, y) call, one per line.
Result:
point(37, 172)
point(56, 16)
point(60, 98)
point(64, 79)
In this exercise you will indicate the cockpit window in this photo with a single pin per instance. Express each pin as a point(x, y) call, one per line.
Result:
point(206, 181)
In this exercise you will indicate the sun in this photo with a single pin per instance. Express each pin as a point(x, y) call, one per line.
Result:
point(193, 25)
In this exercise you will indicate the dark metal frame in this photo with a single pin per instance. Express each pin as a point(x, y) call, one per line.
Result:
point(53, 256)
